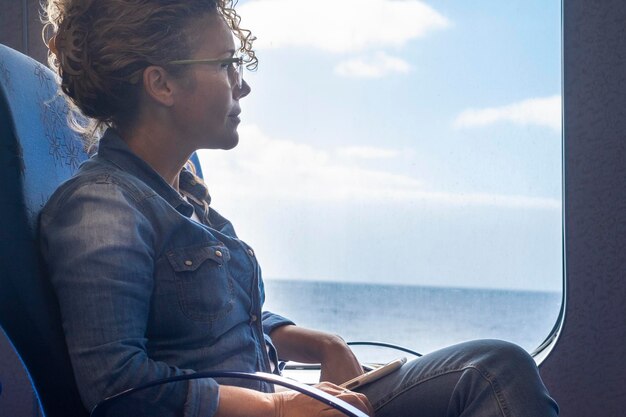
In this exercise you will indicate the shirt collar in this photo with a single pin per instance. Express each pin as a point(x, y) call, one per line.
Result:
point(113, 148)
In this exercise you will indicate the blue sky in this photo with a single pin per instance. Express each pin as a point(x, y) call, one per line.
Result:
point(400, 142)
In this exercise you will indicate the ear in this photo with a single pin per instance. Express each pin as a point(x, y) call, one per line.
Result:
point(158, 85)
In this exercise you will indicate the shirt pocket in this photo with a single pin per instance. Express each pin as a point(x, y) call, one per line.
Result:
point(204, 286)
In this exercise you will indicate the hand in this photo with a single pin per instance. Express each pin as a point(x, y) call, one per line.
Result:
point(295, 404)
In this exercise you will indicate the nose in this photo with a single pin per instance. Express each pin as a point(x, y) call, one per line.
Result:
point(242, 91)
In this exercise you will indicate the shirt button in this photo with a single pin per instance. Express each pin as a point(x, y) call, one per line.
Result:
point(188, 263)
point(218, 253)
point(251, 252)
point(193, 182)
point(253, 318)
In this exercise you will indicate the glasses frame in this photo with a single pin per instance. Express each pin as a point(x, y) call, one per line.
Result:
point(236, 62)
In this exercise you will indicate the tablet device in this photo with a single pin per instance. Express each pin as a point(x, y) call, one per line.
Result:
point(373, 375)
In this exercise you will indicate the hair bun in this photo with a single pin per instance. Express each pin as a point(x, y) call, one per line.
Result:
point(70, 42)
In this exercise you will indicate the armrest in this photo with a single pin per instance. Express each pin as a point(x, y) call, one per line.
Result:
point(101, 409)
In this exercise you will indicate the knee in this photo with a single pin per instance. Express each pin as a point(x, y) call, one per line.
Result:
point(508, 351)
point(500, 357)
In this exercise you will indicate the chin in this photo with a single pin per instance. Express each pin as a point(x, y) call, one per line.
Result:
point(230, 143)
point(220, 142)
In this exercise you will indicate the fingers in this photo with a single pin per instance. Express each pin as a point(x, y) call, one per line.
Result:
point(355, 399)
point(330, 388)
point(358, 400)
point(295, 404)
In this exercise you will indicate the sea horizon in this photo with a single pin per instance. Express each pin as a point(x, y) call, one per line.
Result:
point(422, 318)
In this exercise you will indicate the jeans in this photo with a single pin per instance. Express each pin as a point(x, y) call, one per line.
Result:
point(484, 378)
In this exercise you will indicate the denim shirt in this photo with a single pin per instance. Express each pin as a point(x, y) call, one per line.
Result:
point(146, 292)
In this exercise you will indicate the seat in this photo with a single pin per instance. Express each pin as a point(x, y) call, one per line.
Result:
point(38, 151)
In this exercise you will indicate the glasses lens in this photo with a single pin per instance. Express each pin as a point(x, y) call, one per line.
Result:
point(239, 69)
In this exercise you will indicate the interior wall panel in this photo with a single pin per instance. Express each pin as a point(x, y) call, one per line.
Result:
point(20, 27)
point(586, 371)
point(11, 23)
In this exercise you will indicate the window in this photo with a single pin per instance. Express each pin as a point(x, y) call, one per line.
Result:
point(399, 167)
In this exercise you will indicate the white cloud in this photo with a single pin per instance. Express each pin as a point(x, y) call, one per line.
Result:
point(339, 26)
point(263, 168)
point(367, 152)
point(283, 169)
point(376, 66)
point(544, 111)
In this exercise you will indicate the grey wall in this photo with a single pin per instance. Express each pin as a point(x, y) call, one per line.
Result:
point(20, 27)
point(586, 372)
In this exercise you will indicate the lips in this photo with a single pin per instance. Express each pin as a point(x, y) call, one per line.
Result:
point(235, 113)
point(235, 116)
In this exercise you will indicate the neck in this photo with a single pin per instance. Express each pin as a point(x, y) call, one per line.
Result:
point(158, 148)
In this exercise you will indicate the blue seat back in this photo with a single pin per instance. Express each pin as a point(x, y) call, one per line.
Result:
point(38, 151)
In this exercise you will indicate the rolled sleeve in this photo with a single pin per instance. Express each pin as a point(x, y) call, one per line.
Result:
point(272, 321)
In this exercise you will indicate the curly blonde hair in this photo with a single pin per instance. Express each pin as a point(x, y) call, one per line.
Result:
point(100, 48)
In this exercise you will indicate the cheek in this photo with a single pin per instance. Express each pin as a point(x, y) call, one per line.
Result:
point(219, 101)
point(208, 104)
point(209, 107)
point(224, 103)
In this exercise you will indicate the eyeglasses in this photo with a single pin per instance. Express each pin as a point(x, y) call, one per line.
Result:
point(235, 66)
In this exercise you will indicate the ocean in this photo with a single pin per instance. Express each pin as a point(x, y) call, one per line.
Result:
point(421, 318)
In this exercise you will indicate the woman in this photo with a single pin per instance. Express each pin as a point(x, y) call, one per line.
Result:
point(152, 282)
